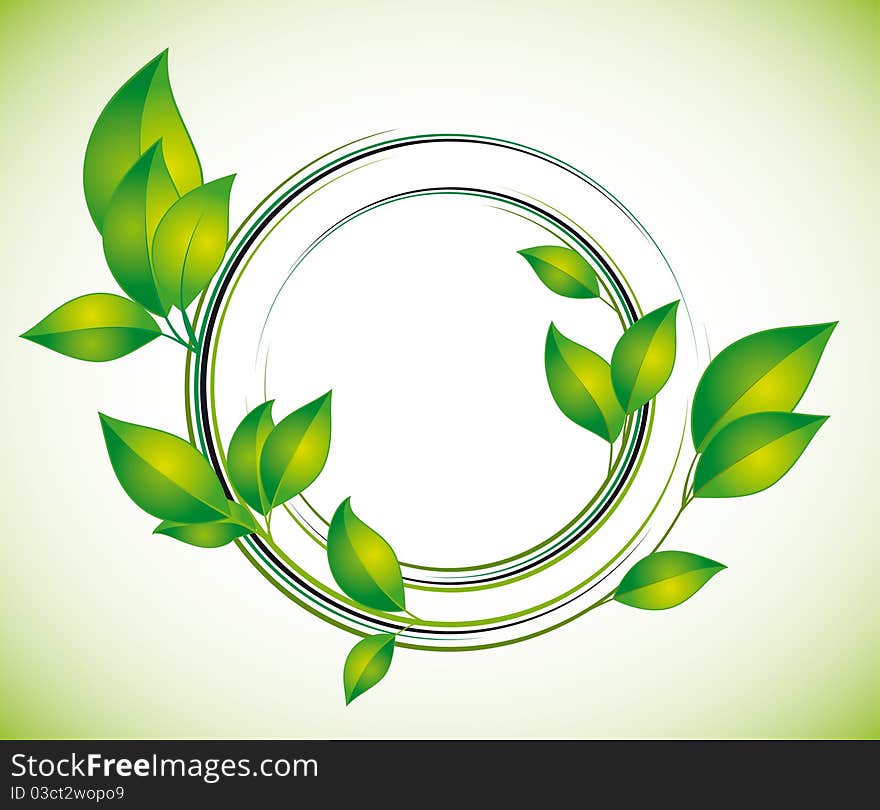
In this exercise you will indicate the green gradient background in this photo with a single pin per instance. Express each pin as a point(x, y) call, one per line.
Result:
point(744, 135)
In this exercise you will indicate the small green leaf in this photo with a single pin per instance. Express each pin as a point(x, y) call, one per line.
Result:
point(362, 562)
point(214, 533)
point(580, 382)
point(140, 202)
point(644, 357)
point(367, 664)
point(665, 579)
point(243, 456)
point(190, 242)
point(563, 270)
point(163, 474)
point(142, 112)
point(295, 451)
point(95, 327)
point(753, 452)
point(767, 371)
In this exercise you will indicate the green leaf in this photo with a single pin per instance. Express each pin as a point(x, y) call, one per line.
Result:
point(665, 579)
point(644, 357)
point(95, 327)
point(580, 382)
point(362, 562)
point(140, 202)
point(296, 450)
point(163, 474)
point(243, 456)
point(767, 371)
point(142, 112)
point(214, 533)
point(190, 242)
point(753, 452)
point(367, 664)
point(563, 270)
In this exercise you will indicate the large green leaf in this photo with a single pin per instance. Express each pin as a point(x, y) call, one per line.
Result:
point(214, 533)
point(362, 562)
point(753, 453)
point(767, 371)
point(190, 242)
point(140, 202)
point(580, 382)
point(665, 579)
point(95, 327)
point(243, 456)
point(163, 474)
point(296, 450)
point(367, 664)
point(644, 357)
point(142, 112)
point(563, 270)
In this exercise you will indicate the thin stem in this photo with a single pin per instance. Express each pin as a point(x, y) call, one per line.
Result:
point(686, 491)
point(610, 459)
point(175, 332)
point(414, 617)
point(189, 329)
point(178, 340)
point(671, 525)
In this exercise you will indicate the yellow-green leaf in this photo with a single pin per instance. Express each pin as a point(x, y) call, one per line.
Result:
point(140, 202)
point(563, 270)
point(665, 579)
point(95, 327)
point(362, 562)
point(753, 452)
point(214, 533)
point(295, 451)
point(367, 664)
point(163, 474)
point(142, 112)
point(580, 382)
point(767, 371)
point(644, 357)
point(243, 456)
point(190, 242)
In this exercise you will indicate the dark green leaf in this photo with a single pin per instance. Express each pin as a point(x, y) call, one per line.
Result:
point(212, 534)
point(296, 450)
point(362, 562)
point(563, 270)
point(142, 112)
point(580, 382)
point(767, 371)
point(163, 474)
point(95, 327)
point(190, 242)
point(140, 202)
point(665, 579)
point(243, 456)
point(752, 453)
point(367, 664)
point(644, 357)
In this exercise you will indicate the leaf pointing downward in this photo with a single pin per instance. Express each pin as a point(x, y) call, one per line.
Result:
point(644, 357)
point(752, 453)
point(580, 382)
point(214, 533)
point(767, 371)
point(142, 112)
point(95, 327)
point(563, 270)
point(367, 664)
point(362, 562)
point(295, 451)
